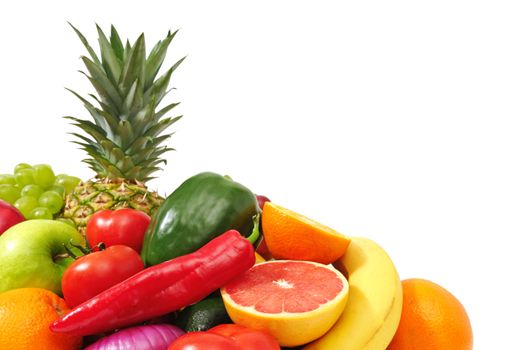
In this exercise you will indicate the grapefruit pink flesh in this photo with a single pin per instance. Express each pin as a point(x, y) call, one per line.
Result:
point(295, 287)
point(295, 301)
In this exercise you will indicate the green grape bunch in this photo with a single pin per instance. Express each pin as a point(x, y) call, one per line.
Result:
point(36, 191)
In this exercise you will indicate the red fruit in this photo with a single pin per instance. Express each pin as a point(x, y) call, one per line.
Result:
point(118, 227)
point(247, 338)
point(263, 250)
point(262, 247)
point(9, 216)
point(226, 337)
point(93, 273)
point(203, 341)
point(261, 200)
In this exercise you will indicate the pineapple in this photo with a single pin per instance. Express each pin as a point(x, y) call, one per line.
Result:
point(124, 140)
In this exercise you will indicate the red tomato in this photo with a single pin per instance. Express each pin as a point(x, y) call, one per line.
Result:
point(95, 272)
point(247, 338)
point(122, 226)
point(9, 216)
point(203, 341)
point(226, 337)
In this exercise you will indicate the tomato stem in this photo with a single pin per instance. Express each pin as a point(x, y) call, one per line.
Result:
point(80, 247)
point(68, 252)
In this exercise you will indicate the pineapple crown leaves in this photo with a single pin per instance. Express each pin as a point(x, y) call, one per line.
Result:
point(125, 137)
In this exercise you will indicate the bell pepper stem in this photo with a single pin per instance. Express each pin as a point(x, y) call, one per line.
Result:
point(253, 237)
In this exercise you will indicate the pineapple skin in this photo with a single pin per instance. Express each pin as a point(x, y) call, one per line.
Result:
point(90, 197)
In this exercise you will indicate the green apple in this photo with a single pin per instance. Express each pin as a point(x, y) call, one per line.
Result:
point(32, 254)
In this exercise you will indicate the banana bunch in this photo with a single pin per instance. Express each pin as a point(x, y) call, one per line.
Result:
point(373, 311)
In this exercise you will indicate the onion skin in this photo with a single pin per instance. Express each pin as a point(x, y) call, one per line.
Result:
point(150, 337)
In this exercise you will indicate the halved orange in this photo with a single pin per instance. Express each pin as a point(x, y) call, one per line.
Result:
point(293, 236)
point(295, 301)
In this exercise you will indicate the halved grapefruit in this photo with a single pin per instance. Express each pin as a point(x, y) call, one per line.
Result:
point(295, 301)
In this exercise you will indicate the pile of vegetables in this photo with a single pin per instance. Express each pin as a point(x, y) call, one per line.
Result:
point(144, 276)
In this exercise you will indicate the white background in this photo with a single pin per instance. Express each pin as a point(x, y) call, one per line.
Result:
point(402, 121)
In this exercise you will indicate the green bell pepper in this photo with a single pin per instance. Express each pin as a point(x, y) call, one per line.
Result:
point(202, 208)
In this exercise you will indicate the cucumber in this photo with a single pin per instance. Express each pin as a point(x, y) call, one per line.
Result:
point(203, 315)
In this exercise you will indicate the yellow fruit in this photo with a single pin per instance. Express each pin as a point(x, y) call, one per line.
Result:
point(295, 301)
point(373, 310)
point(259, 258)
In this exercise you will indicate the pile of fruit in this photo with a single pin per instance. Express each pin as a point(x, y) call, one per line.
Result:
point(108, 264)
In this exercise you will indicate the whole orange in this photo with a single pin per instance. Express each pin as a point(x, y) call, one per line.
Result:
point(25, 316)
point(432, 319)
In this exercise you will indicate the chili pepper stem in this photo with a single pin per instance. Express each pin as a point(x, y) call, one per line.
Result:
point(253, 237)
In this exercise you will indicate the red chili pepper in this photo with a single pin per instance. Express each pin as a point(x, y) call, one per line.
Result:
point(162, 288)
point(226, 337)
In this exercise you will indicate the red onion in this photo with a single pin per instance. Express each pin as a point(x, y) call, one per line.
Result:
point(151, 337)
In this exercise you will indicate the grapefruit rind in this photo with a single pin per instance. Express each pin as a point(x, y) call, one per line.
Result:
point(291, 329)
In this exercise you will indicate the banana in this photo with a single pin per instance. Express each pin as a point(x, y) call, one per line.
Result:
point(374, 306)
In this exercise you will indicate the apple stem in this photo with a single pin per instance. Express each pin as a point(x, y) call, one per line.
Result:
point(60, 257)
